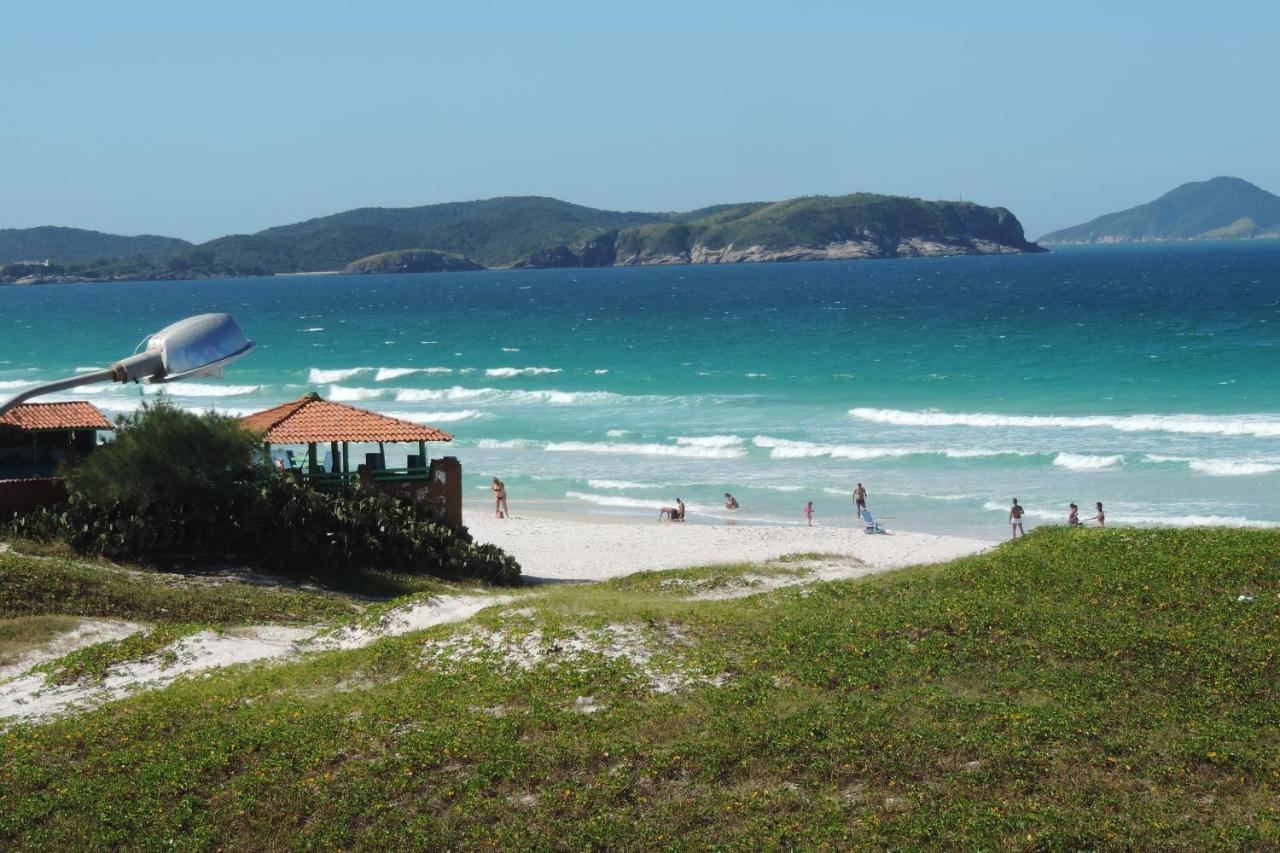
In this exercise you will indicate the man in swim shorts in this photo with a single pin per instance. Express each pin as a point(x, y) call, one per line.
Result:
point(1015, 520)
point(860, 500)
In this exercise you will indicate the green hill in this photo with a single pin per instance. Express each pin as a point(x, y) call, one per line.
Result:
point(1203, 210)
point(533, 231)
point(76, 245)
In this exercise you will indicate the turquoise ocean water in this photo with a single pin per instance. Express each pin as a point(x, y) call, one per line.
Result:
point(1145, 377)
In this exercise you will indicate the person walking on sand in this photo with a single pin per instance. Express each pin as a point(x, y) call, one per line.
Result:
point(1015, 520)
point(808, 513)
point(499, 498)
point(1101, 517)
point(860, 501)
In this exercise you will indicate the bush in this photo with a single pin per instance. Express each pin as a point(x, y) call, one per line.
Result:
point(176, 484)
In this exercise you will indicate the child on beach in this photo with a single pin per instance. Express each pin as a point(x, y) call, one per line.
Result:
point(1015, 520)
point(808, 513)
point(1101, 517)
point(1073, 518)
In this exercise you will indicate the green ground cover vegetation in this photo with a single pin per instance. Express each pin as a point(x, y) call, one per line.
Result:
point(1073, 689)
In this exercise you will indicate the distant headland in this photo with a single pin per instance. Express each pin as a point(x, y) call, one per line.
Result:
point(1217, 209)
point(528, 232)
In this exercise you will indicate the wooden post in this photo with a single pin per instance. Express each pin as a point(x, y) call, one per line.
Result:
point(346, 468)
point(266, 455)
point(422, 453)
point(382, 452)
point(311, 458)
point(333, 455)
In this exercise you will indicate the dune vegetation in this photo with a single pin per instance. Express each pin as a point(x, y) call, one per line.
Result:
point(1076, 688)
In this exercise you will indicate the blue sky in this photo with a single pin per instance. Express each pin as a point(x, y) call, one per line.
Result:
point(231, 117)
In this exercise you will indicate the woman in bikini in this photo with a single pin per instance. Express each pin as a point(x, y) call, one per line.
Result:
point(1101, 517)
point(499, 498)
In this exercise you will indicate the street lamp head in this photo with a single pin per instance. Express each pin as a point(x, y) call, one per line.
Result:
point(197, 346)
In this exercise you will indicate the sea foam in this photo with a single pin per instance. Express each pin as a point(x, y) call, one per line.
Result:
point(508, 372)
point(1086, 462)
point(1260, 425)
point(680, 450)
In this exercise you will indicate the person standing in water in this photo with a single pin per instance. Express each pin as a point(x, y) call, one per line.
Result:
point(808, 513)
point(1101, 517)
point(730, 502)
point(860, 501)
point(1015, 520)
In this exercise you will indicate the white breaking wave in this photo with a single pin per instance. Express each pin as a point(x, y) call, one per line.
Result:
point(618, 433)
point(630, 503)
point(457, 392)
point(1086, 462)
point(1221, 467)
point(782, 448)
point(709, 441)
point(321, 376)
point(1158, 520)
point(386, 373)
point(508, 372)
point(511, 349)
point(601, 371)
point(622, 484)
point(506, 444)
point(1261, 425)
point(647, 450)
point(343, 394)
point(15, 384)
point(199, 389)
point(436, 417)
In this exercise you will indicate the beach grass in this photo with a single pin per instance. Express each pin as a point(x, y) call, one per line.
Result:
point(22, 634)
point(1073, 689)
point(55, 586)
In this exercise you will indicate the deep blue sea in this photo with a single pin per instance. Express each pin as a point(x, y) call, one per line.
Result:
point(1144, 377)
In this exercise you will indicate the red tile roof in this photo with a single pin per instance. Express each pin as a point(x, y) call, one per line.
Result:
point(310, 418)
point(36, 417)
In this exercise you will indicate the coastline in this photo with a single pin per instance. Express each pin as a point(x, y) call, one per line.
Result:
point(565, 547)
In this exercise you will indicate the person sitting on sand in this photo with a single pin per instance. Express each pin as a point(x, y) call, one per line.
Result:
point(1073, 518)
point(1101, 517)
point(499, 498)
point(1015, 520)
point(730, 502)
point(860, 501)
point(674, 513)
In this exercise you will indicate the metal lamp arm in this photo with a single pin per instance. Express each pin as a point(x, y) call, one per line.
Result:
point(134, 367)
point(58, 385)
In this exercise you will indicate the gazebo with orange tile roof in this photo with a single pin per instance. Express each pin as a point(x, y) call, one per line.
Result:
point(312, 420)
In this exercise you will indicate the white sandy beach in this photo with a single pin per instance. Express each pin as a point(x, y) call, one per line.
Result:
point(569, 548)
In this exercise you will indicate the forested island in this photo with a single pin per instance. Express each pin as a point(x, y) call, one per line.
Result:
point(528, 232)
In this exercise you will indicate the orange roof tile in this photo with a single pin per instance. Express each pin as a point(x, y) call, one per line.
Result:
point(311, 418)
point(36, 417)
